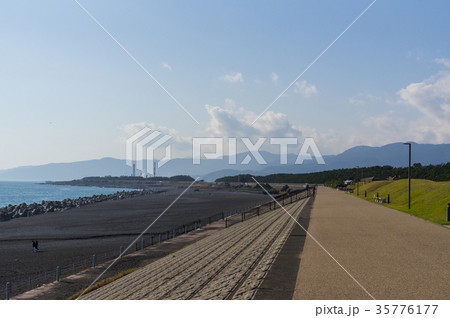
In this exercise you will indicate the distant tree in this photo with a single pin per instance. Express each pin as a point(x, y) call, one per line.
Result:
point(180, 178)
point(335, 177)
point(266, 186)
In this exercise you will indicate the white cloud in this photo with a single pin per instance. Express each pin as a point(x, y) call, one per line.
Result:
point(431, 124)
point(236, 122)
point(376, 130)
point(333, 141)
point(304, 89)
point(443, 61)
point(362, 99)
point(276, 125)
point(230, 103)
point(227, 121)
point(233, 78)
point(224, 122)
point(392, 127)
point(416, 54)
point(166, 66)
point(431, 98)
point(274, 77)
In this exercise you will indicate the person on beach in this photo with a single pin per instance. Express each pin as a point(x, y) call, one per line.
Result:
point(34, 246)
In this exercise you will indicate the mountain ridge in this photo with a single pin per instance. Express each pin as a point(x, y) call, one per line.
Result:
point(395, 154)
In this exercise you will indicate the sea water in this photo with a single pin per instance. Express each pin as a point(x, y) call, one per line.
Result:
point(29, 192)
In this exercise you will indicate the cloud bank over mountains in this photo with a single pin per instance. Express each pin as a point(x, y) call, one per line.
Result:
point(429, 99)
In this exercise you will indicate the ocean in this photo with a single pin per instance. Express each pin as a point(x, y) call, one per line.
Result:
point(29, 192)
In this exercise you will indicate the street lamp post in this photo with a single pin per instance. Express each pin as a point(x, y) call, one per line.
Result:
point(409, 175)
point(357, 183)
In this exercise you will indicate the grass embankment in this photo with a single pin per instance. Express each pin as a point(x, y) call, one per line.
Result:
point(428, 198)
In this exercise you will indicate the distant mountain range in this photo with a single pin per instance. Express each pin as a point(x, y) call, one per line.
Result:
point(395, 155)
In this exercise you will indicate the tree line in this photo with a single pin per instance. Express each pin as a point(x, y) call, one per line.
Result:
point(430, 172)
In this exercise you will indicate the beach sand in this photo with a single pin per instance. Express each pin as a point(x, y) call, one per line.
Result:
point(77, 234)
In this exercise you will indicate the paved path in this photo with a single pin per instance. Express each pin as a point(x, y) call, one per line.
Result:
point(392, 254)
point(229, 264)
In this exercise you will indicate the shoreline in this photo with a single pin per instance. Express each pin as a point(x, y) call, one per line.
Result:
point(126, 182)
point(15, 211)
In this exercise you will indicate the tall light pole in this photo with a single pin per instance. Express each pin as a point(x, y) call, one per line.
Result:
point(409, 175)
point(357, 184)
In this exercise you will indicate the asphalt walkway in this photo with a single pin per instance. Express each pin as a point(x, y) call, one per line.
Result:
point(391, 254)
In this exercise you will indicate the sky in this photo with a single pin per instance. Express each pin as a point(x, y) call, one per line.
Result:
point(69, 92)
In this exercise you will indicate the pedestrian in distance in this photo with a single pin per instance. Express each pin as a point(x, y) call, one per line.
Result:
point(34, 246)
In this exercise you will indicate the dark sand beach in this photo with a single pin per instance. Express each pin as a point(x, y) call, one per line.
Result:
point(77, 234)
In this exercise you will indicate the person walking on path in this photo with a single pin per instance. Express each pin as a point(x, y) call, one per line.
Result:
point(34, 245)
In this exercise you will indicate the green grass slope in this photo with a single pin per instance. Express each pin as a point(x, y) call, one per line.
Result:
point(428, 198)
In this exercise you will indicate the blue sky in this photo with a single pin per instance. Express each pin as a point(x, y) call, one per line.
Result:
point(69, 93)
